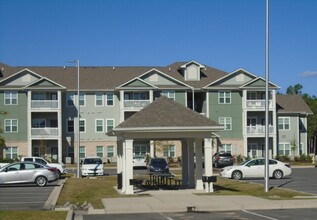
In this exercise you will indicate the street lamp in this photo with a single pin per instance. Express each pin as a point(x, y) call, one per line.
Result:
point(78, 116)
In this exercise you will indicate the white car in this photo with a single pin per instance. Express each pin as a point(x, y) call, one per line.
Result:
point(92, 166)
point(255, 168)
point(139, 161)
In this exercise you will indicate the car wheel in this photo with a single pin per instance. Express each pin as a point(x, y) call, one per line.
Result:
point(237, 175)
point(41, 181)
point(59, 174)
point(277, 174)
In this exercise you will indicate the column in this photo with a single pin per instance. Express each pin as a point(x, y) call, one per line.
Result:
point(29, 123)
point(191, 165)
point(59, 123)
point(208, 162)
point(199, 163)
point(152, 149)
point(128, 174)
point(184, 163)
point(119, 164)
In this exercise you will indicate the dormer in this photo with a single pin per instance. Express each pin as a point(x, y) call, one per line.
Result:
point(191, 71)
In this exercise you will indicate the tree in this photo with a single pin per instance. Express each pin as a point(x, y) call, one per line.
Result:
point(296, 89)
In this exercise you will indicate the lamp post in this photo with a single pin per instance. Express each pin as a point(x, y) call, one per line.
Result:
point(78, 116)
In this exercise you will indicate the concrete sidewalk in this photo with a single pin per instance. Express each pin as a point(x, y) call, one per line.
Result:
point(193, 200)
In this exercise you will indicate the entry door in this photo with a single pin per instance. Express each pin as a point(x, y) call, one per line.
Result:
point(54, 153)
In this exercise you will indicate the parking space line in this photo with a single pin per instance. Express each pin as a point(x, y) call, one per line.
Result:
point(259, 215)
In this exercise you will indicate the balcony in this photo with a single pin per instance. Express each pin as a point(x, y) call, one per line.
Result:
point(44, 104)
point(257, 104)
point(44, 132)
point(135, 104)
point(258, 130)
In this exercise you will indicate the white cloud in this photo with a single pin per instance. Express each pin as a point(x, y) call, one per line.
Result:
point(309, 73)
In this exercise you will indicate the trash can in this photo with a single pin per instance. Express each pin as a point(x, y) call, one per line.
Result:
point(119, 180)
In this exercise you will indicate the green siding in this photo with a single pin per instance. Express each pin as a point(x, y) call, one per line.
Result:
point(15, 112)
point(180, 97)
point(233, 110)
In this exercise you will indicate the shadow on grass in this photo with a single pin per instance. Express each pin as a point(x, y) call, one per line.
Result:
point(222, 188)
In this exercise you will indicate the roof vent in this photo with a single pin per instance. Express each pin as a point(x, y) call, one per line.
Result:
point(113, 68)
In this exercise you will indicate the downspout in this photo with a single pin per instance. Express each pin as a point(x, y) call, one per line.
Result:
point(193, 98)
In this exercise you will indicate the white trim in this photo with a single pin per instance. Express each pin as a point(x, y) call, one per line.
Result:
point(103, 125)
point(106, 98)
point(102, 99)
point(82, 119)
point(110, 119)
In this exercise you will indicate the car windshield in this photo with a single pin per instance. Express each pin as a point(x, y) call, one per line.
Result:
point(159, 162)
point(93, 161)
point(244, 162)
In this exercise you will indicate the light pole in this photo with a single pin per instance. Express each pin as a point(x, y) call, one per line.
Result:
point(78, 116)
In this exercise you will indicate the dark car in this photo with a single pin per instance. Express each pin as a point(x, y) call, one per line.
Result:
point(158, 165)
point(222, 159)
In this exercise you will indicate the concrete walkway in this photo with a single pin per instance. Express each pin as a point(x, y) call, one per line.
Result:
point(191, 200)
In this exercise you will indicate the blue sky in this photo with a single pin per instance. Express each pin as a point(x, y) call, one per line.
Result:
point(224, 34)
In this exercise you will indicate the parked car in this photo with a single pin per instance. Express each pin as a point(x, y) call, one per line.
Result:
point(92, 166)
point(158, 165)
point(255, 168)
point(222, 159)
point(139, 161)
point(28, 172)
point(60, 166)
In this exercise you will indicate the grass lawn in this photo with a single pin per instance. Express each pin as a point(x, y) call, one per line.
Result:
point(32, 215)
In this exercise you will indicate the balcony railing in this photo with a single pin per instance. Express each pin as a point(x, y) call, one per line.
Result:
point(135, 104)
point(44, 104)
point(257, 104)
point(44, 132)
point(258, 130)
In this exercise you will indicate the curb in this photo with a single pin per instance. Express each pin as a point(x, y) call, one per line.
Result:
point(52, 199)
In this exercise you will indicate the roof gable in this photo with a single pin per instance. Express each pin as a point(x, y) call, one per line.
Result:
point(44, 83)
point(258, 82)
point(21, 78)
point(236, 78)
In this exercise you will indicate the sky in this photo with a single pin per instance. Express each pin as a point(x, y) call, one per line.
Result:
point(224, 34)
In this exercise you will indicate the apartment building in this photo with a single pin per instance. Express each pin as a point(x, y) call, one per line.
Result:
point(42, 103)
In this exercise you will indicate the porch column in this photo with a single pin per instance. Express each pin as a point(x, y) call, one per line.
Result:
point(119, 164)
point(29, 124)
point(59, 123)
point(121, 106)
point(152, 149)
point(128, 166)
point(199, 163)
point(184, 163)
point(191, 164)
point(208, 162)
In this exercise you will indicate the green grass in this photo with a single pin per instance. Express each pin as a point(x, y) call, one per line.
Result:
point(225, 186)
point(32, 215)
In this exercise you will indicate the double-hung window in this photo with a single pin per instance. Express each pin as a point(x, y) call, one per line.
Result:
point(110, 152)
point(169, 94)
point(169, 151)
point(226, 122)
point(70, 126)
point(224, 97)
point(10, 98)
point(11, 125)
point(99, 125)
point(99, 151)
point(82, 125)
point(110, 124)
point(225, 148)
point(99, 99)
point(11, 152)
point(284, 149)
point(283, 123)
point(82, 152)
point(82, 99)
point(110, 101)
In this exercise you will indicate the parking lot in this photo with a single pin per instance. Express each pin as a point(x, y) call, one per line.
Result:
point(25, 197)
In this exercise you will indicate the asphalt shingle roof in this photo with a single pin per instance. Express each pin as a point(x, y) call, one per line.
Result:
point(292, 104)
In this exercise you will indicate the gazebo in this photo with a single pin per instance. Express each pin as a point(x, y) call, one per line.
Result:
point(165, 119)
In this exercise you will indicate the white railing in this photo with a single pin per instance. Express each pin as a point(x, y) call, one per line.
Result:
point(44, 104)
point(135, 104)
point(258, 130)
point(47, 132)
point(257, 104)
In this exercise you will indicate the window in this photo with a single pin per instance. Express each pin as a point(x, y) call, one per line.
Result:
point(225, 148)
point(10, 98)
point(99, 125)
point(139, 150)
point(99, 151)
point(11, 125)
point(169, 151)
point(284, 149)
point(169, 94)
point(110, 124)
point(283, 123)
point(11, 152)
point(82, 125)
point(70, 100)
point(70, 125)
point(109, 99)
point(110, 152)
point(224, 97)
point(226, 122)
point(82, 99)
point(82, 152)
point(99, 99)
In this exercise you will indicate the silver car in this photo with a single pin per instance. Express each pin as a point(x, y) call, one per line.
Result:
point(28, 172)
